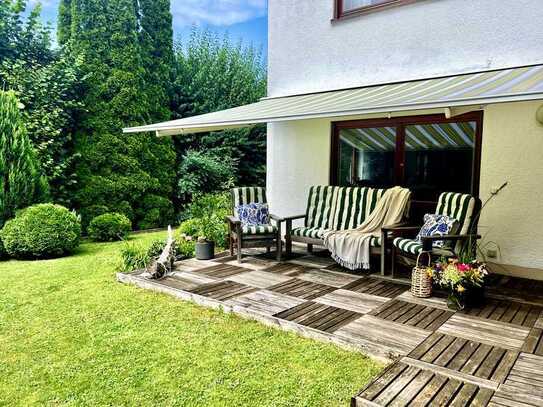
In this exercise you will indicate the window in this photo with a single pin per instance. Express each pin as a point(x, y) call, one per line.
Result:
point(427, 154)
point(345, 8)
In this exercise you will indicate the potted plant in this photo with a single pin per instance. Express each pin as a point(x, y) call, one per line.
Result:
point(463, 281)
point(205, 249)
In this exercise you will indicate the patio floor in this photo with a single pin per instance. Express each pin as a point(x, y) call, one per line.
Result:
point(488, 356)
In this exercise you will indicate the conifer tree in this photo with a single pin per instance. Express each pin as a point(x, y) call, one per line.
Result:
point(21, 183)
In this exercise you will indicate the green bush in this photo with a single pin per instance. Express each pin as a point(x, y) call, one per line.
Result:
point(156, 211)
point(90, 212)
point(137, 257)
point(44, 230)
point(3, 253)
point(109, 227)
point(185, 247)
point(190, 227)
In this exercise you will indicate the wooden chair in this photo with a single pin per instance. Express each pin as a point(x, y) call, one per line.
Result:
point(462, 207)
point(243, 236)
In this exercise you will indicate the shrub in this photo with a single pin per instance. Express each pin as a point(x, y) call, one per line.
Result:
point(185, 247)
point(109, 227)
point(136, 256)
point(43, 230)
point(91, 212)
point(156, 211)
point(3, 253)
point(189, 227)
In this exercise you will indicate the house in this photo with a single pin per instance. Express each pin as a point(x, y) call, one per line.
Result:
point(435, 95)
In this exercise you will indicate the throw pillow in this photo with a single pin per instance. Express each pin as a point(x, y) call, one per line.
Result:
point(253, 214)
point(436, 225)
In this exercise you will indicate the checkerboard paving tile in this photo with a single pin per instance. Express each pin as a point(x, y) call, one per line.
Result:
point(494, 333)
point(352, 301)
point(302, 289)
point(313, 261)
point(288, 269)
point(186, 280)
point(327, 277)
point(396, 339)
point(508, 311)
point(468, 357)
point(253, 263)
point(413, 314)
point(534, 342)
point(318, 316)
point(403, 385)
point(220, 271)
point(523, 387)
point(222, 290)
point(376, 286)
point(265, 302)
point(258, 278)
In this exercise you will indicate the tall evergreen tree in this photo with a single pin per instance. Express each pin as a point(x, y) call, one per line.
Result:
point(117, 170)
point(21, 183)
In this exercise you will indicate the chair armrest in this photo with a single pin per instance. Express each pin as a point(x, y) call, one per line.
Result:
point(276, 218)
point(390, 228)
point(291, 218)
point(232, 220)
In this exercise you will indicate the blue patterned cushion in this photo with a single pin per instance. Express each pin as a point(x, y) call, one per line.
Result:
point(253, 214)
point(436, 225)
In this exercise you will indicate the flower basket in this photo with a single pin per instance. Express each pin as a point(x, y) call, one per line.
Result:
point(464, 282)
point(421, 282)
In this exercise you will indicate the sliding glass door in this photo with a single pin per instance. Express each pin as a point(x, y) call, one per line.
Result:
point(427, 154)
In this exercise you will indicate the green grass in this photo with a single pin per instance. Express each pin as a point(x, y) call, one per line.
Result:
point(71, 335)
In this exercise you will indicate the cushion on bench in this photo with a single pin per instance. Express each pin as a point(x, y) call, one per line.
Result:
point(258, 230)
point(317, 233)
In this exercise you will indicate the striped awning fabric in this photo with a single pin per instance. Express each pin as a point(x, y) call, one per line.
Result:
point(506, 85)
point(442, 136)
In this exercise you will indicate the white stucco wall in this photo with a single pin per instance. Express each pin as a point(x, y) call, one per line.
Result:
point(307, 52)
point(512, 150)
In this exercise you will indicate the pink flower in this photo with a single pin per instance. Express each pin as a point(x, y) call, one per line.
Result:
point(463, 267)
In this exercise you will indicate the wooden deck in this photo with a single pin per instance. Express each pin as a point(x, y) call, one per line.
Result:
point(489, 356)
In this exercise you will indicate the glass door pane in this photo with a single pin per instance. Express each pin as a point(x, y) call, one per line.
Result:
point(366, 157)
point(439, 158)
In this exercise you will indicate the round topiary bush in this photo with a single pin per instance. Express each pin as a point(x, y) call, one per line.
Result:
point(109, 227)
point(44, 230)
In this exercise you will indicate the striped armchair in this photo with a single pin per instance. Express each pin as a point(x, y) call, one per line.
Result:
point(243, 236)
point(333, 208)
point(463, 208)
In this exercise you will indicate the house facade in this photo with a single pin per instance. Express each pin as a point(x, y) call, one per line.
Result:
point(326, 45)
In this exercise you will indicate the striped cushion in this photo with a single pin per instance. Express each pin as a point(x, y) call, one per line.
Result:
point(315, 233)
point(460, 207)
point(457, 206)
point(258, 230)
point(246, 195)
point(340, 208)
point(375, 241)
point(407, 245)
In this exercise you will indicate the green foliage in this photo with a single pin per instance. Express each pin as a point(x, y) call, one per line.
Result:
point(135, 256)
point(49, 93)
point(189, 227)
point(109, 227)
point(186, 247)
point(214, 74)
point(21, 181)
point(3, 253)
point(43, 230)
point(156, 211)
point(204, 172)
point(208, 212)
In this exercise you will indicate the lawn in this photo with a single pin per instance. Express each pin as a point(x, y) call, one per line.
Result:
point(71, 335)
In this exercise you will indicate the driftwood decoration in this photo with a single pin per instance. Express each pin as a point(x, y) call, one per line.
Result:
point(161, 266)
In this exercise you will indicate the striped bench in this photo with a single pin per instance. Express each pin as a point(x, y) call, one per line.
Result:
point(332, 208)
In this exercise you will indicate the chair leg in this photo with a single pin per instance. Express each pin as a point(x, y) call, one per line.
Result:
point(288, 238)
point(279, 246)
point(383, 254)
point(231, 243)
point(268, 249)
point(309, 248)
point(393, 261)
point(239, 248)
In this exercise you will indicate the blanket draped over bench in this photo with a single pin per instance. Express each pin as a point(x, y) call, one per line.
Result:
point(351, 248)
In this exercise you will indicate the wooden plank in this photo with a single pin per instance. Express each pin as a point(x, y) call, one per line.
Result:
point(463, 355)
point(490, 363)
point(463, 397)
point(425, 346)
point(436, 350)
point(287, 269)
point(531, 342)
point(352, 301)
point(412, 389)
point(259, 279)
point(482, 398)
point(453, 374)
point(429, 391)
point(374, 388)
point(434, 302)
point(493, 333)
point(326, 277)
point(446, 393)
point(265, 302)
point(450, 352)
point(505, 366)
point(392, 390)
point(498, 401)
point(476, 359)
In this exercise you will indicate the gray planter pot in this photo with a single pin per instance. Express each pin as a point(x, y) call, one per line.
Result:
point(205, 250)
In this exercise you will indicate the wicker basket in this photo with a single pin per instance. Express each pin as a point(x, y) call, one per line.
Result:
point(421, 282)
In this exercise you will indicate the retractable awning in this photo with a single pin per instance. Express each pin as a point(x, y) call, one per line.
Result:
point(506, 85)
